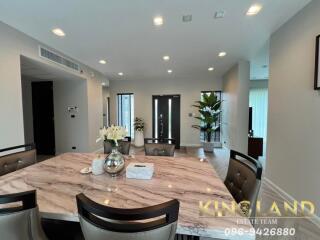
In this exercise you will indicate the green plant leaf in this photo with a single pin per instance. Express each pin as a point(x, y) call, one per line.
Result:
point(209, 109)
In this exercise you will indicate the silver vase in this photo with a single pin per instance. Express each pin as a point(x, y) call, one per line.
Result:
point(114, 163)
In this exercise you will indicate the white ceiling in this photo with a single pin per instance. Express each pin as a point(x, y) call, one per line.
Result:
point(42, 71)
point(122, 32)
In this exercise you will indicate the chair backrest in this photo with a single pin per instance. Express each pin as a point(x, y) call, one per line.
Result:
point(159, 149)
point(100, 222)
point(244, 178)
point(123, 147)
point(127, 139)
point(20, 222)
point(160, 140)
point(17, 160)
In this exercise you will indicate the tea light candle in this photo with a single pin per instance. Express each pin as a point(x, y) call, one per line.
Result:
point(97, 165)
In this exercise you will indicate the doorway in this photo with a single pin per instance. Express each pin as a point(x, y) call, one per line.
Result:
point(106, 106)
point(43, 117)
point(166, 117)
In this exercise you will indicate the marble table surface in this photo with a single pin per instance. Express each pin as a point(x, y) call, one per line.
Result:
point(58, 180)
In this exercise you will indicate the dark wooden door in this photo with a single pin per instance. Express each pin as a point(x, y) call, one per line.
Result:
point(43, 117)
point(166, 117)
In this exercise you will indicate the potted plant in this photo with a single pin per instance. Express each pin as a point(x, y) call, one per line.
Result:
point(209, 110)
point(138, 132)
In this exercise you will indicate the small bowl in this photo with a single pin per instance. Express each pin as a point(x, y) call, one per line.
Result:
point(86, 170)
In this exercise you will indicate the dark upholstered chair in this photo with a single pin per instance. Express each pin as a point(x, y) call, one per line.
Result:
point(244, 179)
point(123, 146)
point(160, 140)
point(10, 162)
point(21, 222)
point(159, 149)
point(99, 222)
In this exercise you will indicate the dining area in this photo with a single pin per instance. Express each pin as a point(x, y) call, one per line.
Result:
point(159, 193)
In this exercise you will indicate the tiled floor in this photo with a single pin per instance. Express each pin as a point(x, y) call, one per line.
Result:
point(304, 228)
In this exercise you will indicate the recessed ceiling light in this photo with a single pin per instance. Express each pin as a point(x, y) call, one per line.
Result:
point(254, 9)
point(166, 58)
point(158, 21)
point(210, 69)
point(103, 61)
point(103, 84)
point(187, 18)
point(222, 54)
point(219, 14)
point(120, 73)
point(169, 71)
point(59, 32)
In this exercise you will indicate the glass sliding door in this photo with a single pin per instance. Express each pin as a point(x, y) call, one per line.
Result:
point(126, 111)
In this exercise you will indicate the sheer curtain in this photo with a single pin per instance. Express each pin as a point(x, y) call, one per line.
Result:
point(258, 100)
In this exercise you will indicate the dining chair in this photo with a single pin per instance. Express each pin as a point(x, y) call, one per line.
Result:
point(99, 222)
point(244, 179)
point(20, 222)
point(159, 149)
point(160, 140)
point(11, 162)
point(123, 146)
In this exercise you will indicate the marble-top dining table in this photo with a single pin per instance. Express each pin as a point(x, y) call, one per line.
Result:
point(58, 180)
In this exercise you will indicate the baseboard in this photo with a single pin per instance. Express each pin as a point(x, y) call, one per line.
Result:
point(315, 219)
point(216, 144)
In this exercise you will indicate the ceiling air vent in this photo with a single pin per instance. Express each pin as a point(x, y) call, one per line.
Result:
point(54, 57)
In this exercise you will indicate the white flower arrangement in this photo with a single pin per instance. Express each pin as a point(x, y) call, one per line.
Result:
point(113, 133)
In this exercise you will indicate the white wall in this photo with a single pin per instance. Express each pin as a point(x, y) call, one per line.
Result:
point(70, 132)
point(13, 44)
point(95, 112)
point(189, 90)
point(235, 107)
point(293, 161)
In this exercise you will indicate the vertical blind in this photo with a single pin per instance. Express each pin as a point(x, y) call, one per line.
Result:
point(258, 100)
point(126, 112)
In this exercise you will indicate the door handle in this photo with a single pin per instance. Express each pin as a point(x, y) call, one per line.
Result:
point(161, 124)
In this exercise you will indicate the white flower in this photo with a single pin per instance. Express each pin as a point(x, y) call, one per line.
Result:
point(114, 133)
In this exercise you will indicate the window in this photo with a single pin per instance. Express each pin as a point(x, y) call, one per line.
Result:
point(217, 134)
point(126, 112)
